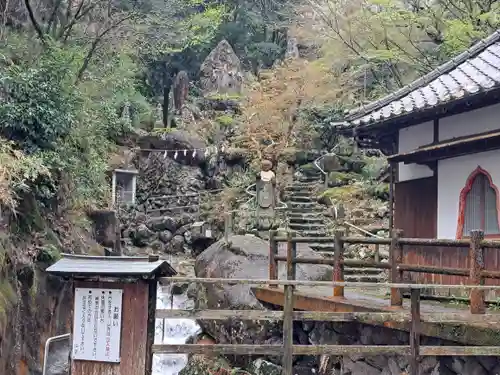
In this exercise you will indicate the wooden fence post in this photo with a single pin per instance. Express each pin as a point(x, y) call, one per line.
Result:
point(338, 267)
point(288, 308)
point(396, 257)
point(477, 304)
point(273, 264)
point(415, 331)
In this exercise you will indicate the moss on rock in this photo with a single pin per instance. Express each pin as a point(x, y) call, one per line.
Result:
point(342, 193)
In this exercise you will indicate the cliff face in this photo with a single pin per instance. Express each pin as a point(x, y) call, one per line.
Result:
point(34, 305)
point(39, 308)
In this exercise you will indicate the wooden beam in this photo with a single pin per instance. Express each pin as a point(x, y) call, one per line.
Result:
point(276, 350)
point(492, 320)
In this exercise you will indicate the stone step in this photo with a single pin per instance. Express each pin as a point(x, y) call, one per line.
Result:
point(323, 247)
point(307, 179)
point(306, 219)
point(299, 199)
point(307, 226)
point(303, 205)
point(314, 233)
point(362, 271)
point(305, 210)
point(364, 278)
point(300, 193)
point(302, 186)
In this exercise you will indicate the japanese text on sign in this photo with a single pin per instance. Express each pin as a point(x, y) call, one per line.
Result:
point(97, 324)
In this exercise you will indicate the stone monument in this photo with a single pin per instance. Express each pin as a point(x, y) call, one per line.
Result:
point(266, 196)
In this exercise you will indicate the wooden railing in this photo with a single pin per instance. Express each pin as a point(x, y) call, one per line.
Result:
point(414, 351)
point(476, 272)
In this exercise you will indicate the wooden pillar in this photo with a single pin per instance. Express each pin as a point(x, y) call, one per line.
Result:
point(395, 259)
point(273, 265)
point(476, 258)
point(338, 267)
point(391, 195)
point(288, 308)
point(415, 331)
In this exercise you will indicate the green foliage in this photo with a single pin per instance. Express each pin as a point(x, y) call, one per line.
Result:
point(225, 120)
point(41, 101)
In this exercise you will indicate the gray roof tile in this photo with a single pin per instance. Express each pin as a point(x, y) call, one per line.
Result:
point(473, 71)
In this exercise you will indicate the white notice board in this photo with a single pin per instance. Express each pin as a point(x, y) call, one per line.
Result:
point(97, 324)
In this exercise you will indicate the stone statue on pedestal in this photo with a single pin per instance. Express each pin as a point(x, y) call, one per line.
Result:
point(266, 196)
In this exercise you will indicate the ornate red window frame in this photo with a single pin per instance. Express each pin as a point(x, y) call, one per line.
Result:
point(463, 196)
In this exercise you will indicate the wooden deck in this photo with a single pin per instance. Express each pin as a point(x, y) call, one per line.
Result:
point(476, 331)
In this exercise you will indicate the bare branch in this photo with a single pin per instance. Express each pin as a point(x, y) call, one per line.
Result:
point(98, 39)
point(34, 22)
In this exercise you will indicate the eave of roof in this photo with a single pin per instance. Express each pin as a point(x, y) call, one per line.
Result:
point(473, 71)
point(111, 266)
point(450, 148)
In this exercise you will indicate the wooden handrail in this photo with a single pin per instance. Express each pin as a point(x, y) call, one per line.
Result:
point(476, 272)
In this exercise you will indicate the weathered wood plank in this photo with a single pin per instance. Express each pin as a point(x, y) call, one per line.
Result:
point(476, 258)
point(415, 331)
point(276, 350)
point(310, 283)
point(493, 320)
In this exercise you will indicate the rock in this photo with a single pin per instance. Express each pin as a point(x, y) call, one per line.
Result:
point(165, 236)
point(188, 237)
point(427, 364)
point(176, 245)
point(204, 365)
point(322, 334)
point(359, 368)
point(157, 246)
point(142, 236)
point(221, 72)
point(263, 367)
point(163, 223)
point(247, 258)
point(473, 367)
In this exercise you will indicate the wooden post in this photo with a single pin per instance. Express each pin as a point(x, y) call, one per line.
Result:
point(377, 253)
point(273, 264)
point(227, 229)
point(338, 268)
point(288, 309)
point(391, 196)
point(477, 305)
point(415, 331)
point(396, 257)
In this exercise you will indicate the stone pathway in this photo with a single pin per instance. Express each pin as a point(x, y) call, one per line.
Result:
point(306, 216)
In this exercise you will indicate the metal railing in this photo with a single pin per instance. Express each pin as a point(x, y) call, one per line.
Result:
point(49, 341)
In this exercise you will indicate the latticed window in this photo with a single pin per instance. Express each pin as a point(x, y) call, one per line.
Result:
point(480, 211)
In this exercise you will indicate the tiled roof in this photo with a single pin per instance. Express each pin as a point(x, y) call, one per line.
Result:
point(473, 71)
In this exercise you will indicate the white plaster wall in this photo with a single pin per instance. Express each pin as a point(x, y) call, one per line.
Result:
point(468, 123)
point(452, 175)
point(409, 139)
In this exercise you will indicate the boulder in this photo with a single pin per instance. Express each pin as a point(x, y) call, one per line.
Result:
point(221, 71)
point(162, 223)
point(245, 258)
point(142, 236)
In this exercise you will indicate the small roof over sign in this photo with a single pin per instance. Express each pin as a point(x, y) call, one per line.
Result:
point(111, 266)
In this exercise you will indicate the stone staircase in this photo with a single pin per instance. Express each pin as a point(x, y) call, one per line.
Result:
point(306, 216)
